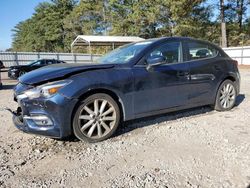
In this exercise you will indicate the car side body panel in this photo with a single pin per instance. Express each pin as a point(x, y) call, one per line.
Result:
point(161, 88)
point(117, 80)
point(139, 91)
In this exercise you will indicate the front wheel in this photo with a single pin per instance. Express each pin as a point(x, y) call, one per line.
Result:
point(96, 118)
point(226, 96)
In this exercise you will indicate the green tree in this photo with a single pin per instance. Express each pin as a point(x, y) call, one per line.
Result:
point(86, 18)
point(44, 31)
point(56, 24)
point(141, 18)
point(159, 18)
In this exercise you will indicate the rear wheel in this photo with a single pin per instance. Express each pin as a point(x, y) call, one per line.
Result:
point(96, 118)
point(226, 96)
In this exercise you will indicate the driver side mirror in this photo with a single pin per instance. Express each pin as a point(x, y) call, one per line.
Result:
point(155, 60)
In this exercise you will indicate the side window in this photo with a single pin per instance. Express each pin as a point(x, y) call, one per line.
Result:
point(171, 52)
point(38, 63)
point(49, 62)
point(198, 50)
point(42, 62)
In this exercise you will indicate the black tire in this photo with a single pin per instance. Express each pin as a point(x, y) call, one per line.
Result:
point(21, 73)
point(78, 124)
point(218, 102)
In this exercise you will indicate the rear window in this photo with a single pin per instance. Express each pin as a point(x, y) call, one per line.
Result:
point(198, 50)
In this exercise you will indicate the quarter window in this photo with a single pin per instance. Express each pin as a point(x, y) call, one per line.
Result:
point(171, 51)
point(197, 50)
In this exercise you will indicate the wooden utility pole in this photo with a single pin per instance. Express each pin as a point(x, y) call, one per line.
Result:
point(223, 25)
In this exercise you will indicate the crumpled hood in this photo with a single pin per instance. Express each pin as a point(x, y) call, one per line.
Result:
point(59, 71)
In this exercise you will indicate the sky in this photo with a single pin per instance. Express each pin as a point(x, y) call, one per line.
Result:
point(11, 13)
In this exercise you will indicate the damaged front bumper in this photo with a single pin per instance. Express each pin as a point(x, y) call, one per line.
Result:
point(45, 116)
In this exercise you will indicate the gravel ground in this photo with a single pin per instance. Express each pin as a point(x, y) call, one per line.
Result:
point(193, 148)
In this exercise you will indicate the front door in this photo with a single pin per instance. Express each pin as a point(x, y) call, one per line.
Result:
point(165, 86)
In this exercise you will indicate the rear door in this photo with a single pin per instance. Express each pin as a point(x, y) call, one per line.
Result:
point(164, 87)
point(204, 66)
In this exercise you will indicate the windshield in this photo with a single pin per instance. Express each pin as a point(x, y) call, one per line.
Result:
point(124, 53)
point(33, 62)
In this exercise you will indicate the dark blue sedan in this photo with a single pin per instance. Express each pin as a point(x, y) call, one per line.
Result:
point(140, 79)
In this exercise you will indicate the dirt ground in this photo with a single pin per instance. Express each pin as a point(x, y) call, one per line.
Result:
point(194, 148)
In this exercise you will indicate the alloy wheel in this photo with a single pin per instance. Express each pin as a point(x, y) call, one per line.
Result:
point(97, 118)
point(227, 96)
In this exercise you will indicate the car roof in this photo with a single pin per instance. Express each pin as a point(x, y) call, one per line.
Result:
point(47, 59)
point(168, 38)
point(177, 38)
point(52, 59)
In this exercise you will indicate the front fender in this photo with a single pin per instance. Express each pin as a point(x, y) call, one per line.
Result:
point(119, 82)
